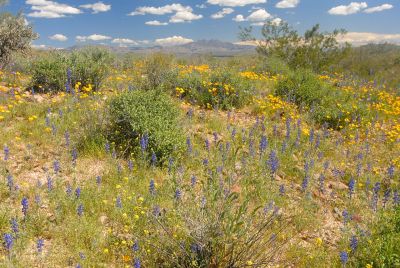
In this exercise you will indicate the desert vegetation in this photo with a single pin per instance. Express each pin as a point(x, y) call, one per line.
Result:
point(288, 157)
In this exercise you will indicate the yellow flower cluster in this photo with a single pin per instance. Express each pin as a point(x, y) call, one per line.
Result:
point(216, 88)
point(179, 91)
point(187, 69)
point(262, 77)
point(274, 104)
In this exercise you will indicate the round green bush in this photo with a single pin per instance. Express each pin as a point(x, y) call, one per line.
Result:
point(136, 114)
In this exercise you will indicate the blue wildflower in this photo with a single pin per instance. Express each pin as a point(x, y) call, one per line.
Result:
point(118, 202)
point(6, 153)
point(193, 180)
point(178, 194)
point(78, 192)
point(25, 205)
point(67, 138)
point(344, 257)
point(10, 182)
point(263, 144)
point(8, 241)
point(39, 245)
point(136, 263)
point(152, 187)
point(56, 166)
point(14, 226)
point(135, 246)
point(98, 180)
point(144, 142)
point(79, 210)
point(273, 162)
point(352, 184)
point(189, 145)
point(353, 243)
point(49, 184)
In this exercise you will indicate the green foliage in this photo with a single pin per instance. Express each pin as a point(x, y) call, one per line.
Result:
point(382, 248)
point(49, 72)
point(159, 71)
point(89, 66)
point(15, 36)
point(222, 89)
point(315, 50)
point(135, 114)
point(326, 104)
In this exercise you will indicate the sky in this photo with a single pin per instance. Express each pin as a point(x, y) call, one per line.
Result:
point(64, 23)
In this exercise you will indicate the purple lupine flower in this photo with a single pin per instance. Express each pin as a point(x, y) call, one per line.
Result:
point(353, 243)
point(178, 194)
point(233, 133)
point(170, 164)
point(37, 199)
point(189, 145)
point(130, 165)
point(193, 180)
point(118, 202)
point(56, 166)
point(305, 182)
point(8, 241)
point(39, 245)
point(14, 226)
point(107, 147)
point(281, 190)
point(352, 184)
point(391, 171)
point(79, 210)
point(25, 205)
point(321, 183)
point(273, 162)
point(10, 182)
point(153, 159)
point(344, 257)
point(82, 256)
point(135, 246)
point(263, 144)
point(288, 126)
point(78, 192)
point(358, 169)
point(144, 142)
point(136, 263)
point(47, 121)
point(152, 187)
point(156, 211)
point(69, 189)
point(49, 184)
point(98, 180)
point(6, 153)
point(74, 155)
point(205, 162)
point(311, 138)
point(215, 137)
point(396, 198)
point(386, 197)
point(67, 139)
point(207, 144)
point(346, 216)
point(113, 153)
point(375, 197)
point(284, 146)
point(53, 129)
point(203, 202)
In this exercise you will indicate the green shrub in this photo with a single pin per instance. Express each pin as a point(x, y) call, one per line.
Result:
point(90, 65)
point(222, 89)
point(382, 248)
point(138, 114)
point(49, 72)
point(326, 104)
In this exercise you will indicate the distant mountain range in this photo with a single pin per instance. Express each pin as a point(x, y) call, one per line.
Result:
point(213, 47)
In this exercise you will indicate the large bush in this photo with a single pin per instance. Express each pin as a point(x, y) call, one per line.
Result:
point(222, 89)
point(145, 122)
point(15, 36)
point(327, 104)
point(89, 66)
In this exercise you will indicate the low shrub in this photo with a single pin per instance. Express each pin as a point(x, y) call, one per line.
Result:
point(145, 123)
point(382, 247)
point(88, 66)
point(214, 89)
point(327, 105)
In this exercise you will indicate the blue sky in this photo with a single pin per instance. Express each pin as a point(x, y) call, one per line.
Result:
point(63, 23)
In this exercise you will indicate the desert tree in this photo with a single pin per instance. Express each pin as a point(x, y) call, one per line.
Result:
point(15, 35)
point(314, 50)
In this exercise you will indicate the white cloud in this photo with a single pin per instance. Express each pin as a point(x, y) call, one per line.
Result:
point(378, 8)
point(93, 37)
point(239, 18)
point(124, 41)
point(59, 37)
point(184, 16)
point(168, 9)
point(182, 13)
point(50, 9)
point(287, 3)
point(361, 38)
point(173, 41)
point(352, 8)
point(97, 7)
point(156, 23)
point(201, 6)
point(235, 3)
point(257, 17)
point(222, 13)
